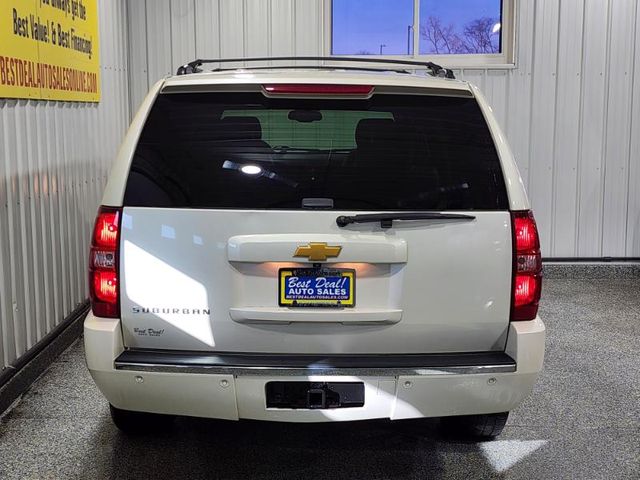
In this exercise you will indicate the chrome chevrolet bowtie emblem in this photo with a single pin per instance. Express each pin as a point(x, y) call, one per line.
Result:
point(317, 251)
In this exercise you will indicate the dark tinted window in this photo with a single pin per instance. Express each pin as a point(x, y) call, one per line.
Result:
point(243, 150)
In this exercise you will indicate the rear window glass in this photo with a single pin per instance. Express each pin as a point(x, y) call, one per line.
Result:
point(247, 151)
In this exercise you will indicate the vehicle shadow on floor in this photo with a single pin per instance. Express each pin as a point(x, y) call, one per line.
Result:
point(200, 448)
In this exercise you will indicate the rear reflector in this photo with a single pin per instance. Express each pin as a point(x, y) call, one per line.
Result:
point(103, 263)
point(317, 89)
point(527, 267)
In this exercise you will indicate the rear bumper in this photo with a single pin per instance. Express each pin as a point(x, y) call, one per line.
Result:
point(305, 365)
point(233, 386)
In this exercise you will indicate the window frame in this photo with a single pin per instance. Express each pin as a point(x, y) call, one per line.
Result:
point(505, 59)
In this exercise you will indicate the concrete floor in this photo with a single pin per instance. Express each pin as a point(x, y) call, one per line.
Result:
point(583, 420)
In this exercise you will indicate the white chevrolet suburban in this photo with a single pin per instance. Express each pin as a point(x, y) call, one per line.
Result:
point(311, 243)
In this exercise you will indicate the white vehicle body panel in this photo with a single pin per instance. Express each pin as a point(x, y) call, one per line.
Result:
point(243, 396)
point(206, 280)
point(426, 281)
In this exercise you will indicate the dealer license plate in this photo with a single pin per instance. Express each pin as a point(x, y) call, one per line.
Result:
point(317, 287)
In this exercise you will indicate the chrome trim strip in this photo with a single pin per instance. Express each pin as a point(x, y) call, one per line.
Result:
point(286, 371)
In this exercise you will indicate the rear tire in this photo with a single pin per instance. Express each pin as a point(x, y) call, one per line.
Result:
point(139, 422)
point(485, 426)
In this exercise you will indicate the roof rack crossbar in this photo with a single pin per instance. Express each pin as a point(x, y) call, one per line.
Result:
point(435, 69)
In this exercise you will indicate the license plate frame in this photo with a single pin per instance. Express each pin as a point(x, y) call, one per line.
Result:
point(315, 301)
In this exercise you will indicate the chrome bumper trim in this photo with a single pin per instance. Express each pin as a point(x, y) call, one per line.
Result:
point(303, 372)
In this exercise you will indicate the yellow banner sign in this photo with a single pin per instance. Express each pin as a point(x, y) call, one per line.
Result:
point(49, 50)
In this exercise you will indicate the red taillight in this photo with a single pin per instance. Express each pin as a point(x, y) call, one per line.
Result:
point(526, 233)
point(317, 89)
point(105, 286)
point(103, 264)
point(524, 291)
point(527, 269)
point(106, 229)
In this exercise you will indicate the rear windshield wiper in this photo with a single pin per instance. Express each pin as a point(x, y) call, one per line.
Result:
point(386, 219)
point(281, 149)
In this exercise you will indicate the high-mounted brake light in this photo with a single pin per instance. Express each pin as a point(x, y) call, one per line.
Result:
point(527, 267)
point(317, 89)
point(103, 263)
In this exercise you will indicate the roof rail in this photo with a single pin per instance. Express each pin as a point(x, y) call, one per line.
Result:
point(434, 69)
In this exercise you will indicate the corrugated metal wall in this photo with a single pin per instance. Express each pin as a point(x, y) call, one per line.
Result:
point(571, 108)
point(54, 158)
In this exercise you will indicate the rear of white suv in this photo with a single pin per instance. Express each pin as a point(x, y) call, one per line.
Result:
point(315, 246)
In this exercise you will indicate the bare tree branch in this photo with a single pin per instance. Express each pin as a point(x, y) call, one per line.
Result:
point(477, 36)
point(442, 39)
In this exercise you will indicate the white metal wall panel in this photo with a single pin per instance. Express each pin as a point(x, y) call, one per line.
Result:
point(159, 39)
point(618, 128)
point(570, 108)
point(54, 160)
point(232, 25)
point(183, 33)
point(282, 27)
point(308, 30)
point(206, 28)
point(137, 35)
point(567, 129)
point(540, 185)
point(594, 110)
point(633, 181)
point(257, 34)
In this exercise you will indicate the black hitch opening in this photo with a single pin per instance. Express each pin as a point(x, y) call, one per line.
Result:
point(314, 395)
